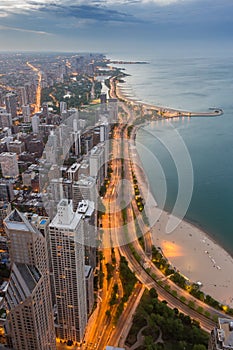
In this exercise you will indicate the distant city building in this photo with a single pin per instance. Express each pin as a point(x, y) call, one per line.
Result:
point(36, 146)
point(87, 142)
point(30, 324)
point(103, 98)
point(35, 123)
point(76, 138)
point(3, 145)
point(11, 104)
point(67, 256)
point(85, 189)
point(27, 177)
point(104, 132)
point(5, 119)
point(30, 92)
point(221, 337)
point(5, 209)
point(16, 147)
point(45, 111)
point(24, 137)
point(58, 189)
point(51, 148)
point(82, 123)
point(23, 96)
point(5, 132)
point(98, 163)
point(26, 113)
point(113, 109)
point(85, 167)
point(63, 107)
point(73, 172)
point(9, 165)
point(6, 190)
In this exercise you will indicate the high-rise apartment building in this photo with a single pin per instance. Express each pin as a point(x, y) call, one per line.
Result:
point(5, 118)
point(26, 113)
point(63, 107)
point(16, 146)
point(11, 104)
point(23, 96)
point(84, 188)
point(9, 165)
point(66, 246)
point(5, 209)
point(97, 161)
point(30, 323)
point(87, 209)
point(73, 172)
point(35, 123)
point(6, 190)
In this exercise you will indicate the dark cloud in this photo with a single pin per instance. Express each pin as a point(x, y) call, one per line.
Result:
point(96, 13)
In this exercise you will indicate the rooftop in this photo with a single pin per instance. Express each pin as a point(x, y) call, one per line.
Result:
point(19, 222)
point(225, 333)
point(65, 217)
point(74, 167)
point(85, 181)
point(30, 275)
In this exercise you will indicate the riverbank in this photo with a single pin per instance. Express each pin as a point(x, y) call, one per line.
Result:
point(189, 249)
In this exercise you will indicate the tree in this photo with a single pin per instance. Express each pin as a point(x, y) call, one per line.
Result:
point(199, 347)
point(108, 313)
point(153, 293)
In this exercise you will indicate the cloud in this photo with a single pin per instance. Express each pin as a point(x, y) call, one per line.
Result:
point(166, 2)
point(3, 27)
point(87, 12)
point(16, 6)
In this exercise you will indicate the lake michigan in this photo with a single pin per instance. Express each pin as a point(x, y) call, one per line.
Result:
point(195, 84)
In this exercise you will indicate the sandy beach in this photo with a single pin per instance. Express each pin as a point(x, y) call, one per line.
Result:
point(189, 249)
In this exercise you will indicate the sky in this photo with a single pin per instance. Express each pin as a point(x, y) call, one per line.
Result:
point(113, 26)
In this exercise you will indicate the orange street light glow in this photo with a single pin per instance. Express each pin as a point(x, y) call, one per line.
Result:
point(172, 250)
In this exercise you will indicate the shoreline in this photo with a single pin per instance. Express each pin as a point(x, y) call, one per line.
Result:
point(190, 249)
point(165, 112)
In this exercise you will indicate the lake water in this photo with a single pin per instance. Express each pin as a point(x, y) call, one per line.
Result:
point(194, 84)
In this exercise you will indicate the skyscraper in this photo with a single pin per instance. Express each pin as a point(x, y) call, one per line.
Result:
point(67, 259)
point(87, 209)
point(23, 96)
point(26, 113)
point(5, 118)
point(11, 104)
point(6, 190)
point(30, 324)
point(9, 165)
point(85, 189)
point(97, 163)
point(35, 123)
